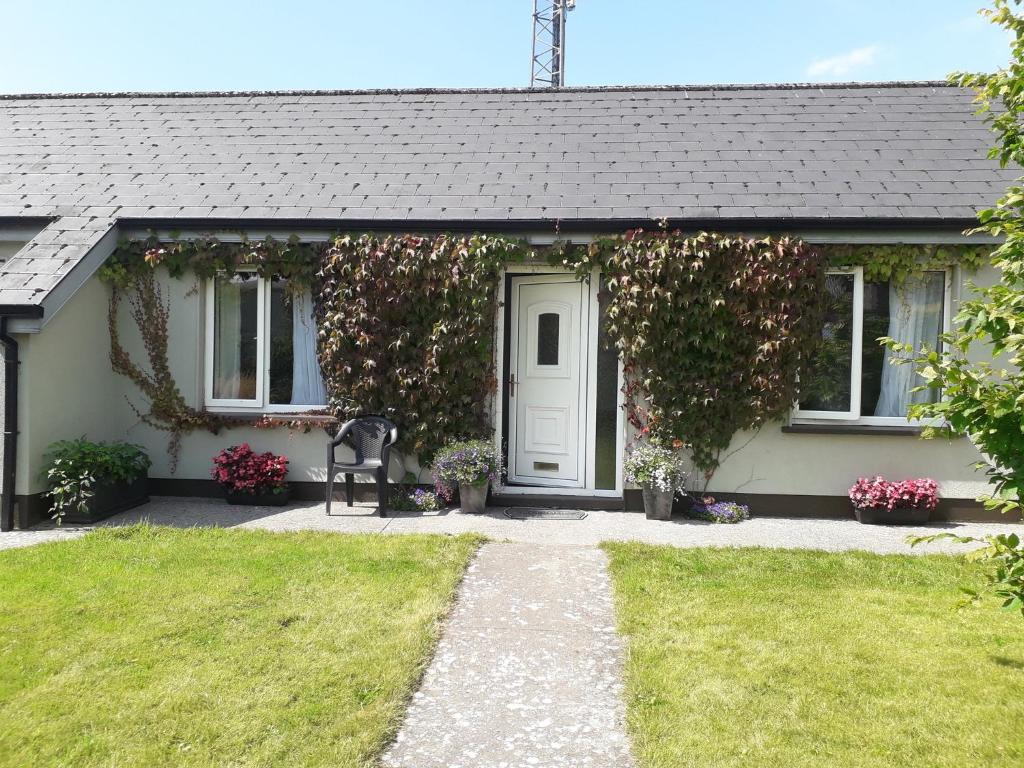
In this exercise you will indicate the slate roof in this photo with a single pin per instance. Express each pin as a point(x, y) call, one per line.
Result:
point(889, 151)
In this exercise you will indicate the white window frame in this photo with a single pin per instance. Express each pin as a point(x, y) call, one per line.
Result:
point(853, 416)
point(260, 403)
point(855, 344)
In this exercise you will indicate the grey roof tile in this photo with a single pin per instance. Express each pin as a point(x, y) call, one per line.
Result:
point(750, 149)
point(883, 151)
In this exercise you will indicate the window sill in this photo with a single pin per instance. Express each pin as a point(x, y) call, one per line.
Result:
point(851, 429)
point(271, 419)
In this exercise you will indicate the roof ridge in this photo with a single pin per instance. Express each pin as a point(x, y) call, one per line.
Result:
point(442, 91)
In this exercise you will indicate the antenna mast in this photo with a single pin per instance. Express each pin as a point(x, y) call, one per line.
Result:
point(548, 70)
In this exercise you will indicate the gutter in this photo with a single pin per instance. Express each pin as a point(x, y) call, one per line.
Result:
point(10, 395)
point(555, 226)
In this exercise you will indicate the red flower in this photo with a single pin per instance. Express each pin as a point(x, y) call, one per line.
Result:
point(240, 470)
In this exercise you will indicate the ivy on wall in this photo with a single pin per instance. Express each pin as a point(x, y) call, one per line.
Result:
point(168, 410)
point(129, 271)
point(207, 256)
point(407, 331)
point(900, 262)
point(711, 329)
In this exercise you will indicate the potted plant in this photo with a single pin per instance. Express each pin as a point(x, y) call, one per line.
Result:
point(659, 472)
point(89, 481)
point(877, 500)
point(252, 478)
point(471, 466)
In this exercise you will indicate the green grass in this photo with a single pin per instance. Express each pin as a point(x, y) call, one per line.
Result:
point(157, 647)
point(784, 658)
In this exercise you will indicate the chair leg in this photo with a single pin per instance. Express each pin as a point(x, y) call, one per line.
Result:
point(330, 488)
point(350, 487)
point(382, 492)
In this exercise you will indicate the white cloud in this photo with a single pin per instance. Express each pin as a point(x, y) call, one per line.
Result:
point(843, 64)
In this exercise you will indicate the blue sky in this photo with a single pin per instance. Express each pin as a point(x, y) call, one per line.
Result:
point(88, 45)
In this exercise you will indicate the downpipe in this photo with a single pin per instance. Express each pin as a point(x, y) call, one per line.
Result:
point(10, 436)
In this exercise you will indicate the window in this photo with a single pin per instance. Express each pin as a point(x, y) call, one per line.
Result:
point(261, 346)
point(547, 338)
point(851, 378)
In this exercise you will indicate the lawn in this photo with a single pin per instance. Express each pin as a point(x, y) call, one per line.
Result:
point(151, 647)
point(748, 657)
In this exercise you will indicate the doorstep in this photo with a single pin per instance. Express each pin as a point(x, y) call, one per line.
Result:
point(555, 501)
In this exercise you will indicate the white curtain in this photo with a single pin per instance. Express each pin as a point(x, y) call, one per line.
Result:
point(307, 383)
point(915, 317)
point(228, 346)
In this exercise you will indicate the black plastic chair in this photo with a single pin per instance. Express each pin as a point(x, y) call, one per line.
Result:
point(371, 437)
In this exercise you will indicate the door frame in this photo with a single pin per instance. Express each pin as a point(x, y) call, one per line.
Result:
point(582, 394)
point(502, 347)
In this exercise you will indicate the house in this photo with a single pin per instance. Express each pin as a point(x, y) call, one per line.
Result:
point(868, 164)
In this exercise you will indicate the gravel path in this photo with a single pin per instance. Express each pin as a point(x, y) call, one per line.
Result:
point(832, 535)
point(528, 671)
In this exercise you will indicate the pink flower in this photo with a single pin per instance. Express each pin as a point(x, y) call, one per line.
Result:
point(879, 493)
point(239, 469)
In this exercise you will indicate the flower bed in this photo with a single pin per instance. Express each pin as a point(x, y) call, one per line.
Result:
point(719, 511)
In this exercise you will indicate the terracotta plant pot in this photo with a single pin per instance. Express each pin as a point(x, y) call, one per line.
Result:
point(658, 504)
point(870, 516)
point(473, 498)
point(260, 499)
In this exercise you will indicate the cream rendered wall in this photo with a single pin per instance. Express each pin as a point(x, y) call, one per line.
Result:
point(66, 388)
point(827, 465)
point(307, 452)
point(773, 462)
point(776, 462)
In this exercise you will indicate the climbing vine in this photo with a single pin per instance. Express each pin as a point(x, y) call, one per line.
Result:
point(130, 274)
point(711, 330)
point(207, 256)
point(407, 330)
point(168, 409)
point(902, 262)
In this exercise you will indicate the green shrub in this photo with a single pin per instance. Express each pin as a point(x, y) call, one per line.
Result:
point(74, 467)
point(105, 462)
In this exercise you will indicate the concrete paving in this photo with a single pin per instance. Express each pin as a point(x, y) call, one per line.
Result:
point(832, 535)
point(528, 670)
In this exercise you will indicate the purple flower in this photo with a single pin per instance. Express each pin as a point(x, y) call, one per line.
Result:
point(719, 511)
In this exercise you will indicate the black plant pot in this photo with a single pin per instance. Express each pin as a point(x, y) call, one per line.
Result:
point(109, 498)
point(892, 516)
point(260, 499)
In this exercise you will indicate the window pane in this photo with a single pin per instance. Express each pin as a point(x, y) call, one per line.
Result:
point(606, 448)
point(234, 338)
point(876, 325)
point(294, 371)
point(911, 314)
point(547, 339)
point(825, 381)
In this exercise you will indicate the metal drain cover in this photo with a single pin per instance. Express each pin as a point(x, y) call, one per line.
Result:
point(536, 513)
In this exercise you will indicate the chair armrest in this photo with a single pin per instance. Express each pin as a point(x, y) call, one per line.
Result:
point(333, 443)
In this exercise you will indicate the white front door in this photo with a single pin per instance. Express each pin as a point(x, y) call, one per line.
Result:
point(547, 382)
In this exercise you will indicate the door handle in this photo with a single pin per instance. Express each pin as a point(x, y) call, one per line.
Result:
point(512, 385)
